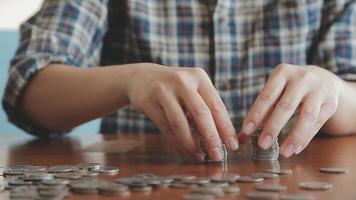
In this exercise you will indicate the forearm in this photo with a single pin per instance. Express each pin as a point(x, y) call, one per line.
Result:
point(343, 122)
point(61, 97)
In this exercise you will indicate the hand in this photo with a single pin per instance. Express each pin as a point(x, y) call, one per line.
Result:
point(310, 90)
point(166, 94)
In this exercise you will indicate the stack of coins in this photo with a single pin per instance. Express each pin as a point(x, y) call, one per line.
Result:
point(258, 153)
point(206, 155)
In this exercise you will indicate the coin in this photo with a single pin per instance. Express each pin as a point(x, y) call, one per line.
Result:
point(84, 188)
point(271, 187)
point(337, 170)
point(248, 179)
point(258, 153)
point(231, 189)
point(60, 168)
point(68, 175)
point(280, 171)
point(264, 175)
point(88, 166)
point(211, 190)
point(113, 189)
point(315, 185)
point(296, 197)
point(198, 197)
point(261, 195)
point(56, 182)
point(111, 171)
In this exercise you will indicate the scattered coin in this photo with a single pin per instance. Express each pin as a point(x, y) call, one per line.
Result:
point(211, 190)
point(84, 188)
point(296, 197)
point(271, 187)
point(314, 185)
point(248, 179)
point(261, 195)
point(264, 175)
point(198, 197)
point(231, 189)
point(280, 171)
point(60, 168)
point(111, 171)
point(113, 190)
point(336, 170)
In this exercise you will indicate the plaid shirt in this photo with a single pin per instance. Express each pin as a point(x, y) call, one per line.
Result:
point(238, 43)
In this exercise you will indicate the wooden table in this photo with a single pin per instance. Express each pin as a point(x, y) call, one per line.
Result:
point(150, 153)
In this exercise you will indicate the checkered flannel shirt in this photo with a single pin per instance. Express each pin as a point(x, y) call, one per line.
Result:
point(238, 43)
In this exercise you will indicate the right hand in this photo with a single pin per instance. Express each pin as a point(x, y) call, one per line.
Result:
point(167, 94)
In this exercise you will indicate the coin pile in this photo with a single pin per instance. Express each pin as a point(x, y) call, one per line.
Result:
point(59, 181)
point(55, 182)
point(223, 149)
point(258, 153)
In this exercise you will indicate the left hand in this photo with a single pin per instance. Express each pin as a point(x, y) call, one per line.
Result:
point(310, 90)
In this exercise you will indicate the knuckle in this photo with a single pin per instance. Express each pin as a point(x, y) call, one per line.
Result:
point(217, 105)
point(282, 68)
point(285, 104)
point(176, 122)
point(266, 97)
point(212, 140)
point(309, 114)
point(272, 129)
point(199, 71)
point(180, 77)
point(201, 110)
point(308, 77)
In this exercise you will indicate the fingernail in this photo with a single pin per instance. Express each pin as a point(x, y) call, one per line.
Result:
point(299, 149)
point(216, 154)
point(233, 145)
point(248, 129)
point(199, 156)
point(266, 142)
point(288, 150)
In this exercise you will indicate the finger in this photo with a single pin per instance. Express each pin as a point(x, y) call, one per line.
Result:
point(282, 112)
point(304, 130)
point(220, 115)
point(178, 123)
point(264, 102)
point(204, 121)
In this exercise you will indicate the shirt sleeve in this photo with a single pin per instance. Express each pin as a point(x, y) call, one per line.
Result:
point(62, 31)
point(337, 48)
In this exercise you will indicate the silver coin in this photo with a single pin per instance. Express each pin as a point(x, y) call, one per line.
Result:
point(141, 189)
point(272, 153)
point(211, 190)
point(261, 195)
point(84, 188)
point(337, 170)
point(315, 185)
point(88, 166)
point(182, 177)
point(27, 167)
point(219, 184)
point(264, 175)
point(56, 182)
point(111, 171)
point(113, 189)
point(198, 197)
point(248, 179)
point(271, 187)
point(18, 182)
point(280, 171)
point(68, 175)
point(11, 172)
point(60, 168)
point(196, 181)
point(296, 197)
point(231, 189)
point(229, 178)
point(28, 176)
point(89, 173)
point(180, 185)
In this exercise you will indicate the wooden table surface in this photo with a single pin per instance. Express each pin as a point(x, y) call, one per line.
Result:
point(150, 153)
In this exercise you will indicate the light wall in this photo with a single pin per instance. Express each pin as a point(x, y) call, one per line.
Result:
point(12, 13)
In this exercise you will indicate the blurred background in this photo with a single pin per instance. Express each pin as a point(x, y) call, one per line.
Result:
point(12, 13)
